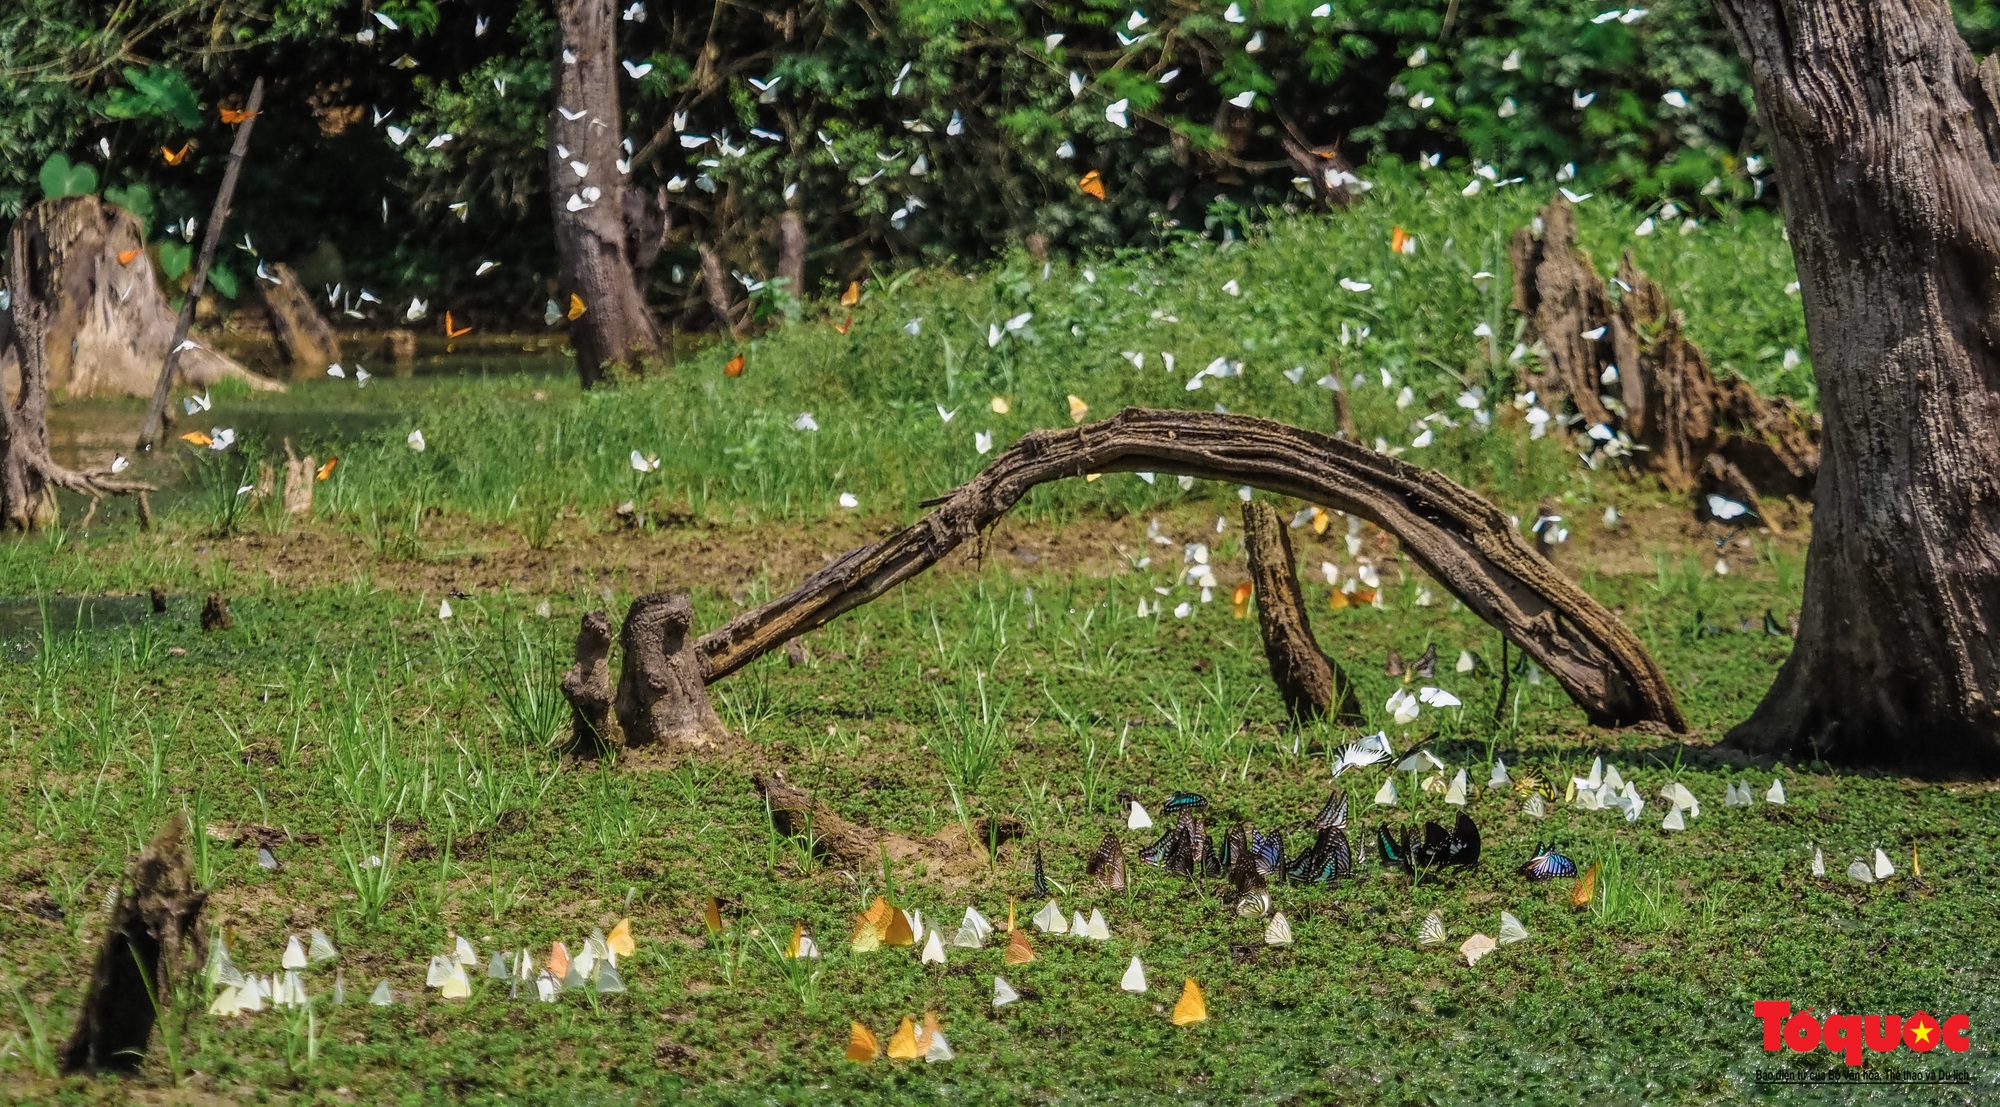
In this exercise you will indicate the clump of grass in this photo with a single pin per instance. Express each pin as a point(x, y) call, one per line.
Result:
point(968, 743)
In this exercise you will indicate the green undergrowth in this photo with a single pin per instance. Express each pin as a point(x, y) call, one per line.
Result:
point(351, 716)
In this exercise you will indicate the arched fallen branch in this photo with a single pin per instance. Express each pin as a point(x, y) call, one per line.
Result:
point(1463, 541)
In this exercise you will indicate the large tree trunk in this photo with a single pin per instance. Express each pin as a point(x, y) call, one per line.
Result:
point(1885, 131)
point(108, 322)
point(594, 247)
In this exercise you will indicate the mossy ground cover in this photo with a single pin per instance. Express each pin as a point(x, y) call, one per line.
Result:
point(1021, 685)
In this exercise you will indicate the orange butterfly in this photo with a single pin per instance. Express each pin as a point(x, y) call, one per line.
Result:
point(861, 1044)
point(898, 931)
point(125, 256)
point(1092, 185)
point(453, 331)
point(233, 117)
point(852, 296)
point(712, 915)
point(844, 325)
point(1241, 599)
point(1192, 1006)
point(326, 470)
point(620, 941)
point(196, 438)
point(1579, 896)
point(1399, 240)
point(903, 1046)
point(576, 308)
point(558, 960)
point(1019, 952)
point(735, 366)
point(175, 157)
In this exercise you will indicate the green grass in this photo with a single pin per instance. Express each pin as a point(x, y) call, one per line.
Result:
point(342, 710)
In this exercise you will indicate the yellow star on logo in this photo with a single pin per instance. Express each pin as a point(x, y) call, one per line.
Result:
point(1922, 1032)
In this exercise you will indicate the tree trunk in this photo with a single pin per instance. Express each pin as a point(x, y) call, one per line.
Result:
point(715, 284)
point(58, 256)
point(153, 940)
point(587, 686)
point(792, 253)
point(1884, 130)
point(662, 698)
point(108, 322)
point(587, 193)
point(1309, 682)
point(301, 331)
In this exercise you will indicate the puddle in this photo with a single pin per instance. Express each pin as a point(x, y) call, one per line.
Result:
point(23, 618)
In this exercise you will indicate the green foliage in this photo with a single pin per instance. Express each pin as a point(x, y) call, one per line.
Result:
point(60, 178)
point(175, 257)
point(137, 199)
point(158, 94)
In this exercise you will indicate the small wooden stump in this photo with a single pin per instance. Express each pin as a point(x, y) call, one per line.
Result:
point(152, 940)
point(587, 686)
point(215, 613)
point(300, 473)
point(662, 697)
point(1311, 684)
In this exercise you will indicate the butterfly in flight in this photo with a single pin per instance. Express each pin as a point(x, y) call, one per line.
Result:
point(232, 116)
point(175, 157)
point(1092, 185)
point(451, 330)
point(1547, 864)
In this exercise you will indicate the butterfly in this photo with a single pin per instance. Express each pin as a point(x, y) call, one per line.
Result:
point(1019, 952)
point(735, 366)
point(1431, 933)
point(1395, 666)
point(844, 325)
point(1041, 885)
point(175, 157)
point(125, 256)
point(1457, 847)
point(576, 308)
point(1426, 666)
point(1333, 814)
point(1107, 862)
point(1398, 240)
point(326, 470)
point(1330, 858)
point(861, 1044)
point(1547, 864)
point(1269, 851)
point(452, 331)
point(1192, 1007)
point(233, 117)
point(712, 915)
point(1092, 185)
point(851, 295)
point(1183, 801)
point(903, 1045)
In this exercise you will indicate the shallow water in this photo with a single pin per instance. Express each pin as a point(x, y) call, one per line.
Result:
point(25, 619)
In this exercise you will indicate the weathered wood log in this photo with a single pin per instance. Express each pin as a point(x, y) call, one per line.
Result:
point(587, 686)
point(152, 941)
point(1311, 683)
point(848, 843)
point(1465, 543)
point(215, 613)
point(662, 698)
point(304, 335)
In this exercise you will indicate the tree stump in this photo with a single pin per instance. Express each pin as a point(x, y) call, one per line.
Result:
point(403, 352)
point(152, 941)
point(215, 613)
point(587, 686)
point(1558, 289)
point(100, 325)
point(300, 330)
point(300, 475)
point(1310, 683)
point(662, 698)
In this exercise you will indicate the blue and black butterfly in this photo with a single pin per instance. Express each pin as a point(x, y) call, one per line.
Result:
point(1185, 850)
point(1183, 801)
point(1269, 850)
point(1395, 851)
point(1457, 847)
point(1547, 864)
point(1330, 858)
point(1041, 885)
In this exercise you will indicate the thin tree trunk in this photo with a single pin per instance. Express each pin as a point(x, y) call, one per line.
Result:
point(792, 253)
point(301, 331)
point(156, 412)
point(587, 193)
point(1311, 683)
point(1884, 131)
point(715, 285)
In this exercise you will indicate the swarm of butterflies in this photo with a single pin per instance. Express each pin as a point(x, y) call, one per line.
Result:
point(594, 968)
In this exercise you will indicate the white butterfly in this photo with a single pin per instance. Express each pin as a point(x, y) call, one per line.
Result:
point(1003, 992)
point(983, 442)
point(1581, 100)
point(485, 267)
point(384, 20)
point(416, 441)
point(805, 422)
point(335, 370)
point(479, 25)
point(1278, 932)
point(1134, 979)
point(849, 500)
point(638, 71)
point(1431, 933)
point(946, 416)
point(572, 116)
point(1511, 930)
point(1245, 98)
point(642, 463)
point(398, 135)
point(635, 14)
point(896, 86)
point(439, 141)
point(195, 404)
point(1675, 98)
point(1114, 112)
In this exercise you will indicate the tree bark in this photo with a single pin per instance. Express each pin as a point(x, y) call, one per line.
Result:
point(1884, 131)
point(1309, 681)
point(1461, 540)
point(792, 253)
point(301, 473)
point(152, 941)
point(715, 285)
point(301, 331)
point(587, 686)
point(1558, 289)
point(587, 194)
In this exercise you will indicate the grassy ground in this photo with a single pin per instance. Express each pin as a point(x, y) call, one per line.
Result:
point(1023, 685)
